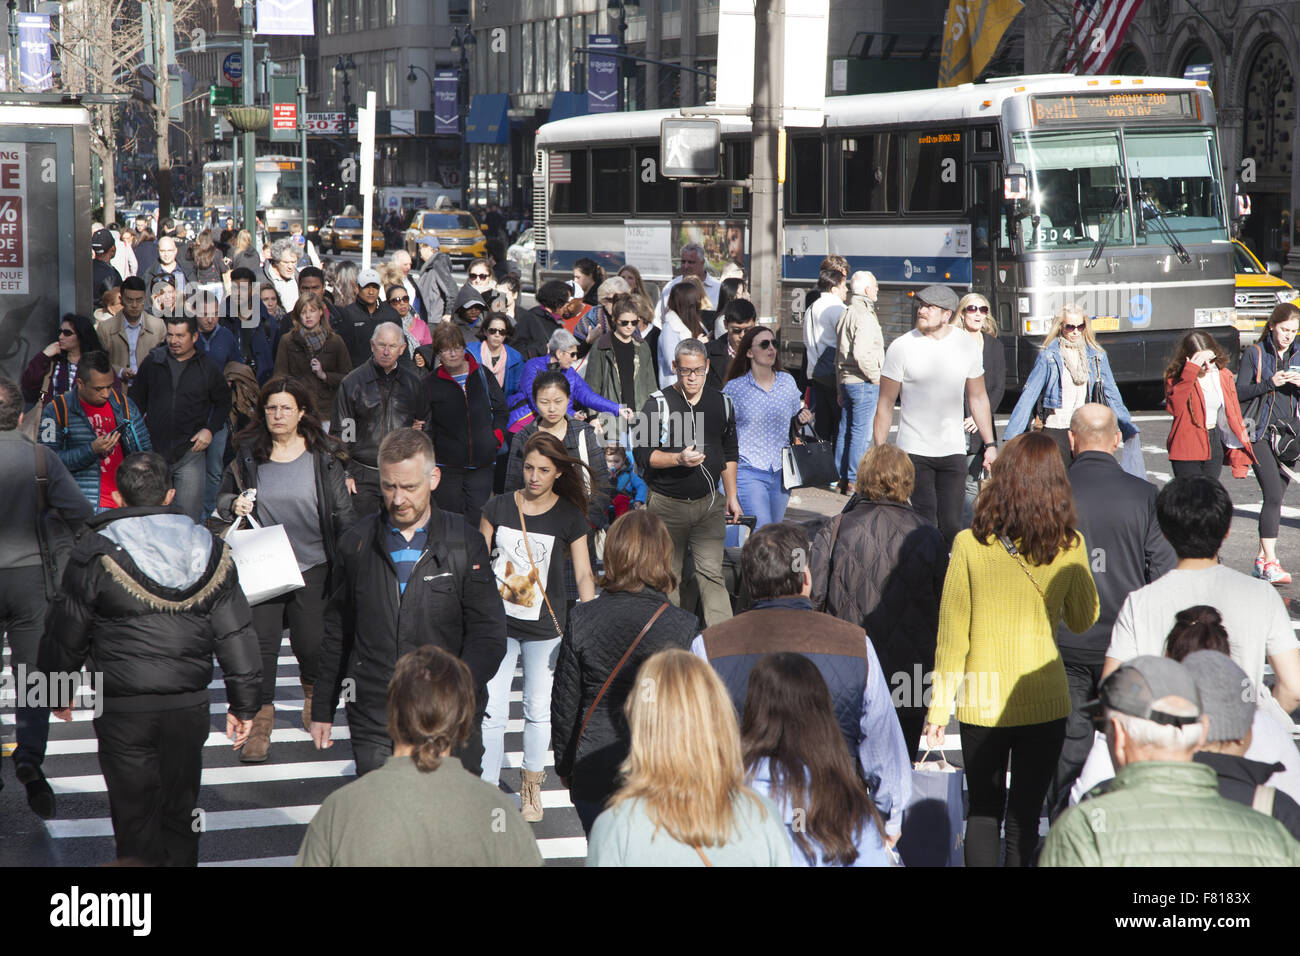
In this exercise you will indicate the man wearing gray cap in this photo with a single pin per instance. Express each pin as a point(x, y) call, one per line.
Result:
point(936, 366)
point(1228, 700)
point(357, 322)
point(1162, 808)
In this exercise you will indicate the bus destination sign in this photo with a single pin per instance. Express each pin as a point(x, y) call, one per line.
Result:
point(1110, 107)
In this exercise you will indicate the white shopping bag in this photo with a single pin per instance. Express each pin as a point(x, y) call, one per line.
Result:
point(264, 559)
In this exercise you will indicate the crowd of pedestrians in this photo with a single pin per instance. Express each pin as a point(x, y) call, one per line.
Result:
point(467, 487)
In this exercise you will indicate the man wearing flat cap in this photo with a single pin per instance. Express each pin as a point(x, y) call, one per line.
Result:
point(1162, 808)
point(936, 366)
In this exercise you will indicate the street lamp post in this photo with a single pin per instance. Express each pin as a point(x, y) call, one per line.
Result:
point(345, 66)
point(411, 78)
point(463, 46)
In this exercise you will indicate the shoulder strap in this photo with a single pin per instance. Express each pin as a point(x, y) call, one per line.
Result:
point(1011, 550)
point(528, 549)
point(1259, 361)
point(42, 480)
point(618, 667)
point(830, 556)
point(457, 547)
point(1263, 801)
point(61, 403)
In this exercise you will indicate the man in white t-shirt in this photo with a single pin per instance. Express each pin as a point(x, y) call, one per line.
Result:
point(936, 366)
point(1195, 514)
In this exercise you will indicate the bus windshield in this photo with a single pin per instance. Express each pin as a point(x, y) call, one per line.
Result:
point(1074, 177)
point(1171, 174)
point(279, 189)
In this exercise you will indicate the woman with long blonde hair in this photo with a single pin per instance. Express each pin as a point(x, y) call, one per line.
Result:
point(1071, 371)
point(684, 801)
point(975, 315)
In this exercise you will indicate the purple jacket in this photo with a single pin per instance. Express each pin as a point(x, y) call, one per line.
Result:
point(580, 393)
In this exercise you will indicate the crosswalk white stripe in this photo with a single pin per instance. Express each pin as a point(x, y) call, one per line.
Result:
point(215, 739)
point(221, 776)
point(81, 716)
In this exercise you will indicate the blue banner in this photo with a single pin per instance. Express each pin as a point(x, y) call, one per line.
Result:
point(36, 70)
point(602, 75)
point(446, 103)
point(285, 17)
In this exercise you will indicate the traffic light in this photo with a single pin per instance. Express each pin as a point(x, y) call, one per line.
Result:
point(350, 111)
point(212, 100)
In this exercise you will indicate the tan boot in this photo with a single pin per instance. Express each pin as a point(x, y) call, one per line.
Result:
point(530, 795)
point(258, 744)
point(306, 705)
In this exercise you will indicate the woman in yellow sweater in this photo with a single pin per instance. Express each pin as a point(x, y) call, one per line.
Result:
point(1017, 572)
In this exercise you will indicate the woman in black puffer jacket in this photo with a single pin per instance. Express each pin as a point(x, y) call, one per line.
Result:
point(637, 579)
point(881, 566)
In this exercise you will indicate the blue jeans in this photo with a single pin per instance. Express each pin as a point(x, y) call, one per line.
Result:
point(189, 476)
point(539, 673)
point(855, 426)
point(761, 494)
point(216, 454)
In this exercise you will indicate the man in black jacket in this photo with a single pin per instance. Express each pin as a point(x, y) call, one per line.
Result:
point(23, 576)
point(534, 328)
point(149, 597)
point(378, 397)
point(738, 318)
point(185, 401)
point(357, 322)
point(1117, 518)
point(408, 576)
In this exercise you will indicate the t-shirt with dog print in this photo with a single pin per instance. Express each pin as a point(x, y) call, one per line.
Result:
point(549, 537)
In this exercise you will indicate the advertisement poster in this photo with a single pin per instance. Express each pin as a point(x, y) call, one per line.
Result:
point(13, 220)
point(723, 241)
point(647, 244)
point(285, 17)
point(34, 63)
point(602, 75)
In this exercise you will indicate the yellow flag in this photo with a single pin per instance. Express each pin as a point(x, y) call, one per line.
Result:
point(971, 36)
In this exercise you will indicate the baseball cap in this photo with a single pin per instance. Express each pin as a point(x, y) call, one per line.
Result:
point(1139, 683)
point(939, 295)
point(429, 241)
point(368, 277)
point(1227, 694)
point(101, 240)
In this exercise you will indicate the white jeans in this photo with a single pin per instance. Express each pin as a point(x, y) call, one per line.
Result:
point(539, 673)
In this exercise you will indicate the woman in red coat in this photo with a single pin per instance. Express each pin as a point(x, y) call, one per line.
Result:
point(1201, 394)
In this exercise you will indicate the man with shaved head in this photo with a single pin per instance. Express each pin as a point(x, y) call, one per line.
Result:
point(1117, 517)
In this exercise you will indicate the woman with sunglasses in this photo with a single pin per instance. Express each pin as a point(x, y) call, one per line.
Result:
point(976, 316)
point(491, 352)
point(620, 367)
point(479, 278)
point(595, 322)
point(414, 328)
point(53, 370)
point(765, 399)
point(1071, 371)
point(1201, 394)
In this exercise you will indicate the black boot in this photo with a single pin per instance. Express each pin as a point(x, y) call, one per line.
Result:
point(39, 795)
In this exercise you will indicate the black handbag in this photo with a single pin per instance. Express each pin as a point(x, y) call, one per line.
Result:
point(808, 462)
point(1285, 442)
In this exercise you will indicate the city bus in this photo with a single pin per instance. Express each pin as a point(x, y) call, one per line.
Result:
point(1033, 191)
point(279, 189)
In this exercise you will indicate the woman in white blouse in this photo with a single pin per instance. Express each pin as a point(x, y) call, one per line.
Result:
point(1201, 394)
point(681, 321)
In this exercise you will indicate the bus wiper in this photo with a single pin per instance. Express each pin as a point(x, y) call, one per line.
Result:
point(1150, 210)
point(1104, 237)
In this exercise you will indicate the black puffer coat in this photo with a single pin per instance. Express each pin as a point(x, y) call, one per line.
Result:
point(333, 502)
point(600, 632)
point(885, 574)
point(152, 642)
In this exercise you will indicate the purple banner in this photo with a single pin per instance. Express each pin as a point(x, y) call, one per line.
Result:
point(446, 103)
point(602, 74)
point(35, 66)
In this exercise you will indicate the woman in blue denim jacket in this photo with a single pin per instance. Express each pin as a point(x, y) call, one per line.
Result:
point(1063, 379)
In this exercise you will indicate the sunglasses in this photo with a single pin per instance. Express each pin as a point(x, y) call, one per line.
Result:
point(479, 275)
point(497, 331)
point(63, 332)
point(765, 344)
point(1073, 328)
point(399, 299)
point(983, 309)
point(629, 325)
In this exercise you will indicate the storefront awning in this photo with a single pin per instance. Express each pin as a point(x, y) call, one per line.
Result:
point(488, 120)
point(567, 104)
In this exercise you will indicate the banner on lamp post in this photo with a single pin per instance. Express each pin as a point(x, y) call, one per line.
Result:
point(602, 74)
point(446, 103)
point(35, 66)
point(285, 17)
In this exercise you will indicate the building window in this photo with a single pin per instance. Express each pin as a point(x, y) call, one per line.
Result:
point(528, 33)
point(934, 171)
point(390, 83)
point(330, 7)
point(392, 13)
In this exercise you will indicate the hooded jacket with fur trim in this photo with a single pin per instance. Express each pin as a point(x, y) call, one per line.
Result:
point(148, 597)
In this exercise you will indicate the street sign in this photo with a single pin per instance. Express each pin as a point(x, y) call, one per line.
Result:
point(232, 67)
point(221, 95)
point(690, 147)
point(284, 116)
point(327, 123)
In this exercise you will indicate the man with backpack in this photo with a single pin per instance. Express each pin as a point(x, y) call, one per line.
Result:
point(407, 576)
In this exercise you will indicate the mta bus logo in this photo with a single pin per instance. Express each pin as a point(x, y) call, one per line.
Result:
point(907, 268)
point(1139, 311)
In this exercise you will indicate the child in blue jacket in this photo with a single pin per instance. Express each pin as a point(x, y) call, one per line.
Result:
point(629, 490)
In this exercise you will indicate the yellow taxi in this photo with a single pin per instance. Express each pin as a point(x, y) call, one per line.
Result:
point(344, 232)
point(458, 233)
point(1259, 290)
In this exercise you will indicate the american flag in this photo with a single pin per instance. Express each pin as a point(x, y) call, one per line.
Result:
point(561, 171)
point(1097, 30)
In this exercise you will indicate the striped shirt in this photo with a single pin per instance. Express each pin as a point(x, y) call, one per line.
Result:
point(406, 554)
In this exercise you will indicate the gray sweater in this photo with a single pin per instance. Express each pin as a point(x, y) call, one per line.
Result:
point(398, 816)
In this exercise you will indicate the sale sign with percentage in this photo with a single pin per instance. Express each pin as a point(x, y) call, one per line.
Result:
point(13, 200)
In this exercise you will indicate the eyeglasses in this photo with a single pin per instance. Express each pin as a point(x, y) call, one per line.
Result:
point(399, 299)
point(475, 276)
point(1073, 328)
point(765, 344)
point(983, 309)
point(692, 372)
point(63, 332)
